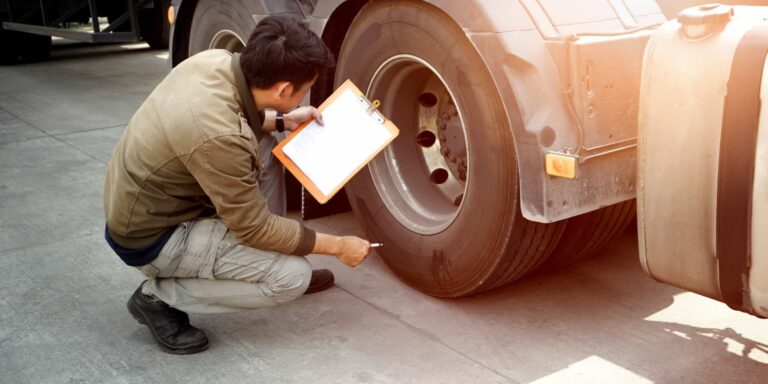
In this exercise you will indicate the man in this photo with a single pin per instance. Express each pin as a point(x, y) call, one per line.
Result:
point(194, 200)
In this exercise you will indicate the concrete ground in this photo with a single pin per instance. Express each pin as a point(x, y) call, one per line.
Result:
point(63, 291)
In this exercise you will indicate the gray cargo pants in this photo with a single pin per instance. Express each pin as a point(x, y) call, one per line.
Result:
point(204, 269)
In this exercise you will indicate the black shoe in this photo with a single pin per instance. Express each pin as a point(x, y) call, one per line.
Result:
point(169, 326)
point(322, 279)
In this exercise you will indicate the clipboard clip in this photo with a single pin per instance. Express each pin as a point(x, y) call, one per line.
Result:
point(372, 108)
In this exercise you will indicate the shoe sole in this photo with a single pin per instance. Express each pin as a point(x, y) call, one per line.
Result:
point(139, 316)
point(321, 285)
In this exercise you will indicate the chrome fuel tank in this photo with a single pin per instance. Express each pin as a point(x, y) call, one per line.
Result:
point(703, 155)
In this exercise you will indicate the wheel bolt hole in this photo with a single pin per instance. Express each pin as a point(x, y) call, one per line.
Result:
point(427, 100)
point(426, 139)
point(439, 176)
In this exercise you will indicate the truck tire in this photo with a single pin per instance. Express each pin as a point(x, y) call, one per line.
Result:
point(221, 24)
point(444, 196)
point(586, 234)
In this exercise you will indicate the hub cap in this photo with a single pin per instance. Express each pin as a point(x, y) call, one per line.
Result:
point(422, 175)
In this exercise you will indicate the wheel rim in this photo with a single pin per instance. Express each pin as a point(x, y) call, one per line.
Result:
point(422, 176)
point(227, 39)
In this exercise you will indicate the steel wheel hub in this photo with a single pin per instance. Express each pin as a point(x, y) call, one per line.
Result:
point(421, 177)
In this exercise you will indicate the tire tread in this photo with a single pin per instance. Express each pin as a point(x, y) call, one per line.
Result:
point(586, 234)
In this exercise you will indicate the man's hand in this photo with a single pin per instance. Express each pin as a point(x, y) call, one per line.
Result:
point(350, 250)
point(294, 118)
point(353, 250)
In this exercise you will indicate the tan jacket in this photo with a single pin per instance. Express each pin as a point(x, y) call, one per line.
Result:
point(188, 149)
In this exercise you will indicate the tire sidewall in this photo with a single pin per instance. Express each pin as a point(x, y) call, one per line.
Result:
point(214, 16)
point(454, 261)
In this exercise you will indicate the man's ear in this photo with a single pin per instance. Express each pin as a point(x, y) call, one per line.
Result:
point(284, 89)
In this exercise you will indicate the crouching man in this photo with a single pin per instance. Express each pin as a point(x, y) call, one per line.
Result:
point(194, 199)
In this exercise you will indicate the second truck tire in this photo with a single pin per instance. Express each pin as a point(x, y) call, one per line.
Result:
point(154, 26)
point(221, 24)
point(586, 234)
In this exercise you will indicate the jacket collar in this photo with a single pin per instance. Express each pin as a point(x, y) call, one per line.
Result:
point(251, 110)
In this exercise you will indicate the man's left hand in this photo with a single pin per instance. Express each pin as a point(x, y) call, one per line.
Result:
point(293, 119)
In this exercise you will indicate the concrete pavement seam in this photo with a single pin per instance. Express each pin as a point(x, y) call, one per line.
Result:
point(44, 136)
point(426, 333)
point(48, 134)
point(25, 122)
point(90, 130)
point(78, 149)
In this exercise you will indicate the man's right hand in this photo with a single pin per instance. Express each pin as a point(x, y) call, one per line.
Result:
point(353, 250)
point(350, 250)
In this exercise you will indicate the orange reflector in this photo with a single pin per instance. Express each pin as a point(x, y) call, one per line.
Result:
point(171, 15)
point(561, 165)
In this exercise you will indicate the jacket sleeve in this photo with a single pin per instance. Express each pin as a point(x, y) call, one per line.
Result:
point(226, 168)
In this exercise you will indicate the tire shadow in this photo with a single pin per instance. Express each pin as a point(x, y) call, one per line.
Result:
point(606, 307)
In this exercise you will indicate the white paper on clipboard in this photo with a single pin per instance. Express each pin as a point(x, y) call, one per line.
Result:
point(328, 154)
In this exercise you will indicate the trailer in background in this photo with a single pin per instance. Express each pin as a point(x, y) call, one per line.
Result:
point(26, 27)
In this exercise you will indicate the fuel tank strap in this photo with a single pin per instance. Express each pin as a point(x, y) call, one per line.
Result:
point(736, 169)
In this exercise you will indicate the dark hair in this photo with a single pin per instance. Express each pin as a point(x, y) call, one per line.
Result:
point(282, 48)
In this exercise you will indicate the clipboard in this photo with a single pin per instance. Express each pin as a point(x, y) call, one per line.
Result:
point(324, 158)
